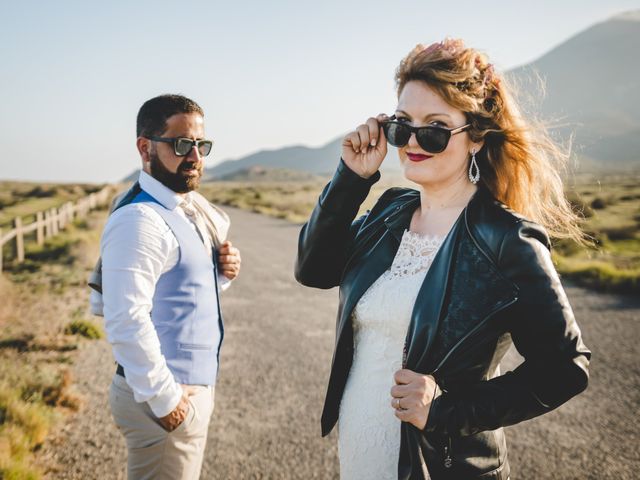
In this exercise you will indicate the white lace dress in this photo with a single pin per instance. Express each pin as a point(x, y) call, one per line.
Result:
point(368, 430)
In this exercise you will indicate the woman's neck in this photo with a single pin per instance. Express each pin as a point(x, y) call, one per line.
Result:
point(452, 196)
point(440, 207)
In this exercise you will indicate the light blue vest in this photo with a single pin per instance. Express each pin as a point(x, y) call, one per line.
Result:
point(186, 311)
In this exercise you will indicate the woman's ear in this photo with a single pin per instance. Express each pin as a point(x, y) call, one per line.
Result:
point(477, 146)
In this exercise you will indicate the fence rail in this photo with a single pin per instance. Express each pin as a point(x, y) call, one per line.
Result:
point(50, 222)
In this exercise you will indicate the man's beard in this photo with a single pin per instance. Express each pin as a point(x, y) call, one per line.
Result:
point(179, 182)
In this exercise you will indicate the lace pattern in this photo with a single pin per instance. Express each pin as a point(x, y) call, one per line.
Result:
point(368, 431)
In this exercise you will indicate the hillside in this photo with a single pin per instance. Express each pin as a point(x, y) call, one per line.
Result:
point(585, 90)
point(591, 91)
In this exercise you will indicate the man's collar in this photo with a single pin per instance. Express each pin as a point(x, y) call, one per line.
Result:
point(164, 195)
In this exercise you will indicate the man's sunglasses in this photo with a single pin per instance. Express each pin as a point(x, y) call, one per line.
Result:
point(182, 146)
point(431, 138)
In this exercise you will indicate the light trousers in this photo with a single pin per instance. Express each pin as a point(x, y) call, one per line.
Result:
point(154, 453)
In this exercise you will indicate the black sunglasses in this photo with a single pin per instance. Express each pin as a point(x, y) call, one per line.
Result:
point(182, 146)
point(431, 138)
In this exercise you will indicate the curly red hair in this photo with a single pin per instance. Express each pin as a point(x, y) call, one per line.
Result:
point(519, 162)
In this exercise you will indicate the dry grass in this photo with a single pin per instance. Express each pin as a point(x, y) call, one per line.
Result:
point(291, 201)
point(23, 199)
point(43, 320)
point(610, 205)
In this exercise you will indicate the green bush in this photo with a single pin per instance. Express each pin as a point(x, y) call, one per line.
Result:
point(621, 233)
point(23, 428)
point(600, 275)
point(85, 329)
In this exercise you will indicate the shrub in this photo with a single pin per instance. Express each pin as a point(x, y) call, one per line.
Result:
point(621, 233)
point(600, 275)
point(84, 328)
point(23, 428)
point(579, 206)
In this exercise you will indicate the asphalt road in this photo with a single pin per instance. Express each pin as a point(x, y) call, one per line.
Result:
point(274, 367)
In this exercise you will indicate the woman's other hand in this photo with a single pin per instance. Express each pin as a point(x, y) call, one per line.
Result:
point(412, 396)
point(364, 149)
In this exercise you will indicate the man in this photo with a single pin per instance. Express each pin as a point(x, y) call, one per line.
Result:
point(164, 261)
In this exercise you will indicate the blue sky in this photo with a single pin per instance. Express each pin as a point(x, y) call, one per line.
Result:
point(267, 73)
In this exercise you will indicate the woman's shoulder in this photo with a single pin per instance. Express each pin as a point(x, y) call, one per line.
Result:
point(502, 229)
point(395, 197)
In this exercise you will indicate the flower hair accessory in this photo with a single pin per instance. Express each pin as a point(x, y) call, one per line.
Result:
point(490, 77)
point(449, 47)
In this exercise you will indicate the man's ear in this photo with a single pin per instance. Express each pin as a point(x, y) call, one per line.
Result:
point(144, 147)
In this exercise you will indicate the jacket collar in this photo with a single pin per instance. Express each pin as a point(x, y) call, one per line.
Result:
point(399, 219)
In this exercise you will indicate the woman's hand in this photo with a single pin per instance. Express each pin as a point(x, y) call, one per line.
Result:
point(364, 149)
point(412, 396)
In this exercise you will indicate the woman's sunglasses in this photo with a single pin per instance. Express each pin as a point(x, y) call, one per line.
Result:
point(431, 138)
point(182, 146)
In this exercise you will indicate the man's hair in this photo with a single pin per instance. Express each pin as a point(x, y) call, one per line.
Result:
point(153, 115)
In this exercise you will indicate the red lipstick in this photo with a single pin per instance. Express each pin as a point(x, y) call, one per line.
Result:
point(418, 157)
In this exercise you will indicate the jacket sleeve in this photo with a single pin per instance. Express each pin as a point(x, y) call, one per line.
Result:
point(324, 242)
point(544, 332)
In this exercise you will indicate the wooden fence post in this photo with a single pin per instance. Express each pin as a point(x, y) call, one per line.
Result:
point(19, 240)
point(39, 228)
point(61, 221)
point(64, 216)
point(47, 224)
point(54, 221)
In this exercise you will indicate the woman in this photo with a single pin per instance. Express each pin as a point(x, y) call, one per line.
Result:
point(435, 283)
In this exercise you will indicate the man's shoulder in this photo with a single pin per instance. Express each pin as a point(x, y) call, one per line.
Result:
point(136, 216)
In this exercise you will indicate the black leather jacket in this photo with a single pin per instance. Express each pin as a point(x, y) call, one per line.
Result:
point(492, 282)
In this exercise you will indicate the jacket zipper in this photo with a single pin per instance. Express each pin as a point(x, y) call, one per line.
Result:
point(448, 462)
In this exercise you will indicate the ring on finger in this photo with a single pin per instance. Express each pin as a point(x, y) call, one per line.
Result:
point(397, 404)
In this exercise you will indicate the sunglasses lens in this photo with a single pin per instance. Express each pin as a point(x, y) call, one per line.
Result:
point(397, 135)
point(205, 147)
point(183, 146)
point(433, 139)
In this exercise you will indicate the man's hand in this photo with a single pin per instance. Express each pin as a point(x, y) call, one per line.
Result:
point(179, 414)
point(412, 396)
point(229, 260)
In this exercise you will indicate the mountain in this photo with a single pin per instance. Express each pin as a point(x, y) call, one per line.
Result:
point(258, 173)
point(320, 161)
point(313, 160)
point(591, 91)
point(591, 96)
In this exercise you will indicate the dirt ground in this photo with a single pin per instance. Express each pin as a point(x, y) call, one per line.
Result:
point(274, 367)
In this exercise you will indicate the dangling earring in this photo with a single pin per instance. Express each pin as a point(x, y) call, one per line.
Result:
point(474, 177)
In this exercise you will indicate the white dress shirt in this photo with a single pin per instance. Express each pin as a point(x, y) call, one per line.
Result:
point(137, 247)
